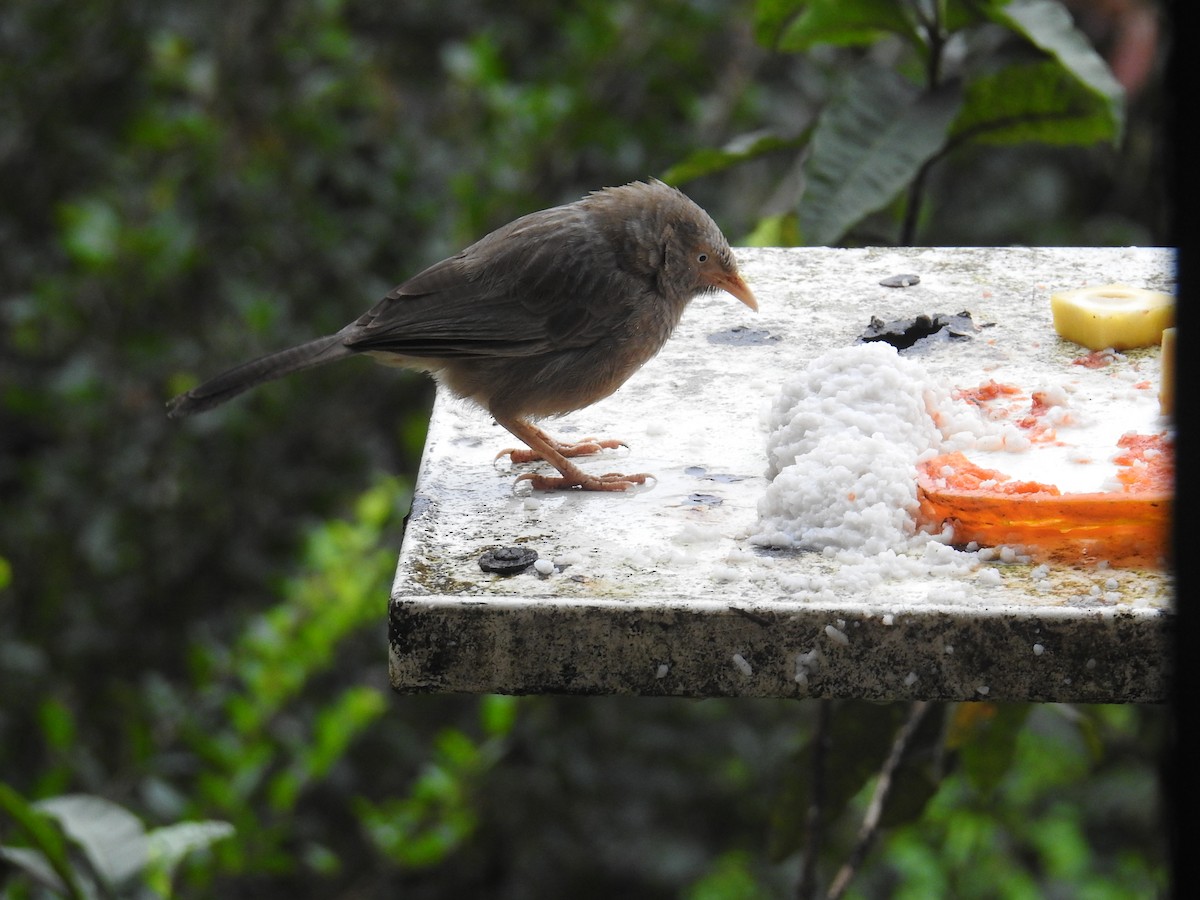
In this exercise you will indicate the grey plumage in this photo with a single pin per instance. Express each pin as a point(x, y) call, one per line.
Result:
point(241, 378)
point(543, 316)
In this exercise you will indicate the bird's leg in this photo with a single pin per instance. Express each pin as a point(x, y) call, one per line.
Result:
point(545, 447)
point(584, 447)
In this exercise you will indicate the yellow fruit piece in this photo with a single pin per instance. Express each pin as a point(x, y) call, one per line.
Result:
point(1166, 387)
point(1112, 315)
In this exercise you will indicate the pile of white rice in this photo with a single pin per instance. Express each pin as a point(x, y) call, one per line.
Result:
point(844, 439)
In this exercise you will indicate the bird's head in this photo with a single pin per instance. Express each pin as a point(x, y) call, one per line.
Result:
point(661, 233)
point(696, 257)
point(717, 269)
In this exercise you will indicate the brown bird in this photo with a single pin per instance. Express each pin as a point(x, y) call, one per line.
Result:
point(544, 316)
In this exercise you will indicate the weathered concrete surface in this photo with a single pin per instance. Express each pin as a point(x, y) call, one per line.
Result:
point(658, 591)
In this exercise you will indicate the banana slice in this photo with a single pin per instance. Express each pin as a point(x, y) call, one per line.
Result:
point(1112, 315)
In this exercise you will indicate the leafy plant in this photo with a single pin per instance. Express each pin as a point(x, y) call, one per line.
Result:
point(270, 722)
point(263, 729)
point(438, 815)
point(1026, 823)
point(952, 796)
point(83, 846)
point(996, 72)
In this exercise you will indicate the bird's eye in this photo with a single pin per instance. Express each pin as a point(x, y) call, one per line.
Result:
point(702, 258)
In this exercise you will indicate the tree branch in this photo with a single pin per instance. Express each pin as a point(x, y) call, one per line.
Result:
point(883, 787)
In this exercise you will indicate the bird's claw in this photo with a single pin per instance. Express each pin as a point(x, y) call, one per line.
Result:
point(611, 481)
point(585, 447)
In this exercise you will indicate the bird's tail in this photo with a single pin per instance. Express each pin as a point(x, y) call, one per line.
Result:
point(229, 384)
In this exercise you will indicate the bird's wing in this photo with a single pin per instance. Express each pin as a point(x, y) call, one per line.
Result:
point(548, 281)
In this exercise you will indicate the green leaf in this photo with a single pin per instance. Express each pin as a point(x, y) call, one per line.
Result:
point(797, 25)
point(771, 18)
point(1064, 850)
point(1048, 25)
point(456, 750)
point(498, 714)
point(335, 728)
point(112, 837)
point(1034, 102)
point(846, 23)
point(378, 504)
point(339, 723)
point(731, 877)
point(774, 231)
point(45, 837)
point(707, 161)
point(957, 15)
point(869, 144)
point(418, 831)
point(57, 724)
point(167, 847)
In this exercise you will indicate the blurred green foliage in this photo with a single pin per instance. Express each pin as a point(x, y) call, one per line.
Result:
point(936, 77)
point(1055, 824)
point(194, 612)
point(80, 846)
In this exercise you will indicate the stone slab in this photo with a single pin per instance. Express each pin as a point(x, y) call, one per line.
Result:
point(658, 591)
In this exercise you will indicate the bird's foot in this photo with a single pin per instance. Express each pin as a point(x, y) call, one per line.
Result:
point(544, 447)
point(613, 481)
point(585, 447)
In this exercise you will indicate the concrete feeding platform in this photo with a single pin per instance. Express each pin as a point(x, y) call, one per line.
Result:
point(659, 591)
